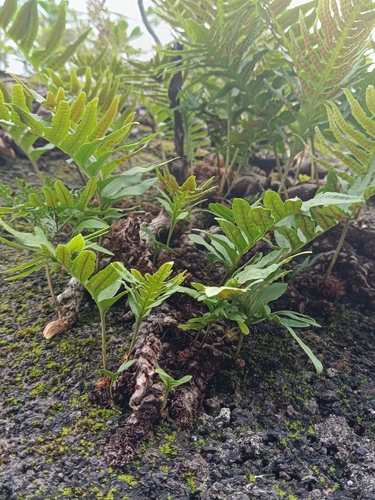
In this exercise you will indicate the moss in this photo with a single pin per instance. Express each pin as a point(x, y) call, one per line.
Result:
point(280, 492)
point(129, 479)
point(35, 372)
point(39, 389)
point(191, 481)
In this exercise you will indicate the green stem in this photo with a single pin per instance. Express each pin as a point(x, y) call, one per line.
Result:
point(314, 168)
point(50, 287)
point(298, 169)
point(165, 399)
point(171, 229)
point(227, 156)
point(239, 345)
point(282, 186)
point(207, 332)
point(338, 248)
point(277, 159)
point(237, 174)
point(104, 340)
point(35, 167)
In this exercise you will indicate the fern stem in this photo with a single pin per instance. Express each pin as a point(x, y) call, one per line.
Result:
point(239, 345)
point(338, 249)
point(237, 174)
point(314, 167)
point(277, 159)
point(282, 186)
point(171, 229)
point(298, 168)
point(227, 155)
point(50, 287)
point(104, 339)
point(206, 333)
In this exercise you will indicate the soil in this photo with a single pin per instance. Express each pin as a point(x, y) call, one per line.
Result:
point(265, 427)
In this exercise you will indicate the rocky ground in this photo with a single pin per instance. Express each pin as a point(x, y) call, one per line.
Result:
point(267, 430)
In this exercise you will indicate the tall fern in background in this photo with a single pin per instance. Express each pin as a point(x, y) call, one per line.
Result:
point(354, 151)
point(327, 50)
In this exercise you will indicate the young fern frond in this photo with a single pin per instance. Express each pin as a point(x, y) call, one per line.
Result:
point(148, 291)
point(179, 200)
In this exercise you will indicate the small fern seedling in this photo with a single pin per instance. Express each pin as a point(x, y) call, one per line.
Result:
point(113, 375)
point(177, 198)
point(148, 291)
point(170, 383)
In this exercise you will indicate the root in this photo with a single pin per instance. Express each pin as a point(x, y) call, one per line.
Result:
point(202, 365)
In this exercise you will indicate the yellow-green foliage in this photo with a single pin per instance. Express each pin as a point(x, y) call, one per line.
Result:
point(23, 27)
point(359, 143)
point(326, 46)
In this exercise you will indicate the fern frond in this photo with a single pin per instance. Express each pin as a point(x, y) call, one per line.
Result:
point(360, 144)
point(328, 55)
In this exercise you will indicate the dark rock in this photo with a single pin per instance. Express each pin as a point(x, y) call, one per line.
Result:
point(329, 396)
point(242, 417)
point(212, 406)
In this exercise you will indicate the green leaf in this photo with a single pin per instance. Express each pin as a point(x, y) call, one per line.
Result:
point(27, 272)
point(241, 211)
point(63, 194)
point(102, 280)
point(62, 256)
point(318, 365)
point(234, 235)
point(59, 61)
point(7, 12)
point(273, 202)
point(331, 199)
point(105, 304)
point(74, 141)
point(90, 223)
point(83, 266)
point(76, 244)
point(25, 265)
point(87, 194)
point(60, 124)
point(49, 196)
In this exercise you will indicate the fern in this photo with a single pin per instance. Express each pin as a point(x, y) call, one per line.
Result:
point(355, 146)
point(293, 222)
point(23, 27)
point(325, 42)
point(85, 140)
point(148, 291)
point(354, 150)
